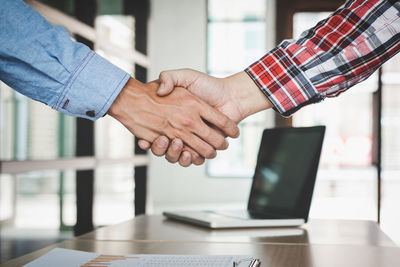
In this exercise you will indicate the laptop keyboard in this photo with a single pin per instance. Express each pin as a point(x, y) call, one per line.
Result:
point(239, 214)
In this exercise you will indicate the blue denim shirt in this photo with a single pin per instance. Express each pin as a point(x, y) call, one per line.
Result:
point(42, 62)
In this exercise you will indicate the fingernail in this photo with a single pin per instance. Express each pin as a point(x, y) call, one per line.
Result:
point(176, 144)
point(162, 142)
point(186, 155)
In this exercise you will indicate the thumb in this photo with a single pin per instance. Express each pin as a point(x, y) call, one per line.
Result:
point(167, 83)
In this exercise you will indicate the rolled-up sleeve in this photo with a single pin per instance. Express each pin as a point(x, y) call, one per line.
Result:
point(339, 52)
point(42, 62)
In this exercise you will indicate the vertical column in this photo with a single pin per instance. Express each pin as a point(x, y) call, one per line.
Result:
point(140, 9)
point(377, 140)
point(85, 11)
point(284, 30)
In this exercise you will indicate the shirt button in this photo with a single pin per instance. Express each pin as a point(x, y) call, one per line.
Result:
point(91, 113)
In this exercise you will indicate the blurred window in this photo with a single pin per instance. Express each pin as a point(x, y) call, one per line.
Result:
point(236, 38)
point(346, 183)
point(390, 214)
point(114, 185)
point(7, 197)
point(31, 130)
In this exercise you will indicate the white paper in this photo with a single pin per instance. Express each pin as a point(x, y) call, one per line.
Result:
point(73, 258)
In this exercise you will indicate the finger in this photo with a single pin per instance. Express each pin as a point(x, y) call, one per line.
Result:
point(160, 146)
point(144, 133)
point(221, 121)
point(199, 161)
point(195, 157)
point(185, 159)
point(174, 150)
point(202, 147)
point(143, 144)
point(211, 136)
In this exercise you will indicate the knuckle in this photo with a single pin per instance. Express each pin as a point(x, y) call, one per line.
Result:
point(186, 121)
point(178, 133)
point(179, 118)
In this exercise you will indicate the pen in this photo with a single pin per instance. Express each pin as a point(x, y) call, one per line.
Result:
point(255, 263)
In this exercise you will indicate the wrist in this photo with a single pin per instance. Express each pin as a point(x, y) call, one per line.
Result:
point(116, 109)
point(248, 96)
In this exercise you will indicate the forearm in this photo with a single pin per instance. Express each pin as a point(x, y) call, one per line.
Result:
point(43, 63)
point(329, 58)
point(246, 94)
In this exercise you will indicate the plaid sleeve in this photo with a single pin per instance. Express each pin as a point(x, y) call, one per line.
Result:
point(339, 52)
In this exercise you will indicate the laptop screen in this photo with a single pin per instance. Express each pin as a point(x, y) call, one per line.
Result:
point(286, 170)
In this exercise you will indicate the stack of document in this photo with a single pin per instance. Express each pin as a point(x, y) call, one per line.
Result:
point(66, 258)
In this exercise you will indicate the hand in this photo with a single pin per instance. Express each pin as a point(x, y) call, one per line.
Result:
point(178, 115)
point(236, 96)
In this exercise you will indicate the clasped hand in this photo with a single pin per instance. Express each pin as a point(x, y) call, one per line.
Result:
point(196, 127)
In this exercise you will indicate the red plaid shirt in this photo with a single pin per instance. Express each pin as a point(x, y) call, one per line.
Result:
point(339, 52)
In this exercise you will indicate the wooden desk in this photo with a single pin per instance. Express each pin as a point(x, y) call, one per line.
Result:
point(275, 255)
point(323, 243)
point(314, 232)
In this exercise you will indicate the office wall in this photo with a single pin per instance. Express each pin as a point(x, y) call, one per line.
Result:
point(178, 40)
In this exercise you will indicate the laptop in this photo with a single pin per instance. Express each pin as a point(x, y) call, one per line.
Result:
point(282, 187)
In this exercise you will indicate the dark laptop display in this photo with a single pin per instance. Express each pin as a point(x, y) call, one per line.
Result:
point(283, 183)
point(285, 174)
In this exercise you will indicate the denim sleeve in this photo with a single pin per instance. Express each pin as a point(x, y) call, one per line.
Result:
point(43, 63)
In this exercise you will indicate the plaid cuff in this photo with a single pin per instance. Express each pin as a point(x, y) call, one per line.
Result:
point(280, 78)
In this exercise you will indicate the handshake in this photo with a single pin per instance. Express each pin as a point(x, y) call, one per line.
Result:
point(187, 115)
